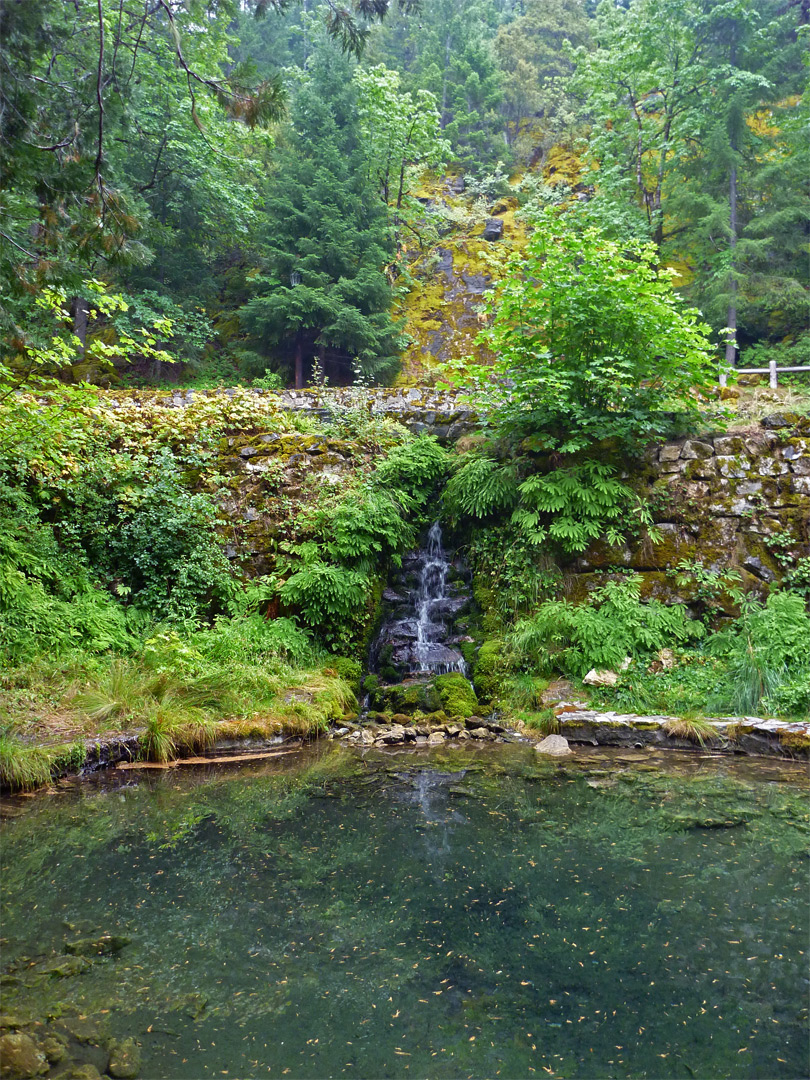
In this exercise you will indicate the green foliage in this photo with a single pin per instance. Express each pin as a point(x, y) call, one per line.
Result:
point(48, 601)
point(141, 526)
point(330, 598)
point(518, 574)
point(575, 506)
point(481, 487)
point(414, 466)
point(612, 625)
point(707, 586)
point(765, 649)
point(592, 344)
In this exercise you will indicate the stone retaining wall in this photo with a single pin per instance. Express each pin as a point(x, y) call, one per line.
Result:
point(421, 409)
point(738, 501)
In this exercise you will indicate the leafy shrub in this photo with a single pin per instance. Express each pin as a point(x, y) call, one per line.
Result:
point(328, 597)
point(414, 466)
point(261, 639)
point(367, 525)
point(47, 600)
point(592, 343)
point(602, 632)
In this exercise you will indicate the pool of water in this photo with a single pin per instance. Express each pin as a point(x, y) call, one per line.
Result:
point(465, 913)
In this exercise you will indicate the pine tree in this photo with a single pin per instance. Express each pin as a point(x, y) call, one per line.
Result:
point(324, 295)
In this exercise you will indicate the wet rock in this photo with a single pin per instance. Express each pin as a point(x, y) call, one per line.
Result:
point(756, 566)
point(554, 746)
point(248, 451)
point(9, 1021)
point(105, 945)
point(20, 1057)
point(394, 734)
point(482, 733)
point(436, 738)
point(125, 1059)
point(84, 1030)
point(54, 1049)
point(601, 678)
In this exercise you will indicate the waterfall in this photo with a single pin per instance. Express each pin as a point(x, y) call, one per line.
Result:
point(426, 605)
point(431, 654)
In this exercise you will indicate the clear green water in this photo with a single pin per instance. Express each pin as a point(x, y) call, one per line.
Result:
point(459, 914)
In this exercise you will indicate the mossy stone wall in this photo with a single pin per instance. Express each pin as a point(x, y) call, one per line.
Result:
point(736, 500)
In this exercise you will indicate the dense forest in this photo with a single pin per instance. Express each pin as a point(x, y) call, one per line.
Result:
point(251, 177)
point(230, 198)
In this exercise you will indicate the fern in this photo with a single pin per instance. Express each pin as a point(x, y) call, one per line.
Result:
point(613, 624)
point(481, 487)
point(573, 507)
point(326, 596)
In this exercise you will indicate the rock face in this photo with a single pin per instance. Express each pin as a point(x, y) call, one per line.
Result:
point(554, 746)
point(493, 230)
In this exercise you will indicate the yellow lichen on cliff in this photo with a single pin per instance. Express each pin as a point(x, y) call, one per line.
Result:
point(443, 308)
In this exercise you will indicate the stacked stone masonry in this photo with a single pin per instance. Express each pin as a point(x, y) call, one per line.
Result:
point(738, 500)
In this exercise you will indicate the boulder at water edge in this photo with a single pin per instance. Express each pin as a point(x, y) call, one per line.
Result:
point(554, 746)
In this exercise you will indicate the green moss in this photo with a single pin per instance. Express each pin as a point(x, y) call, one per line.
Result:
point(457, 696)
point(795, 741)
point(490, 669)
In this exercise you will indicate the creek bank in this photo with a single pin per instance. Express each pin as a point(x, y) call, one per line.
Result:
point(748, 736)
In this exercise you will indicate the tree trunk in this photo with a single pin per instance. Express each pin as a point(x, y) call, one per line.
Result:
point(79, 312)
point(299, 363)
point(731, 318)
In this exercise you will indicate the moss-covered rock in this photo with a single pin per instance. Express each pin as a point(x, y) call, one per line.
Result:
point(457, 696)
point(490, 669)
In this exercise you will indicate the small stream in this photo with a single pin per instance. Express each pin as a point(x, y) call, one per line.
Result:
point(473, 912)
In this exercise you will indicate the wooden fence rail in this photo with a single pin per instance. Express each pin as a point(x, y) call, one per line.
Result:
point(771, 371)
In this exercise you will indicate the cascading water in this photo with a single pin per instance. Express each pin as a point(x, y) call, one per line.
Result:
point(430, 652)
point(425, 625)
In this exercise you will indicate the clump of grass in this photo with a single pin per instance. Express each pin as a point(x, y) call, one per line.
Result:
point(695, 729)
point(173, 728)
point(546, 722)
point(22, 767)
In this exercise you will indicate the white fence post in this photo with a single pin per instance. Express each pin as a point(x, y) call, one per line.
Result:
point(772, 377)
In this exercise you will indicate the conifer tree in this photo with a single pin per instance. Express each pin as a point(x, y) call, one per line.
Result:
point(324, 295)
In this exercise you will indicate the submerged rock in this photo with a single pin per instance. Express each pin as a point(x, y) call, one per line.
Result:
point(105, 945)
point(125, 1059)
point(554, 746)
point(20, 1057)
point(62, 967)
